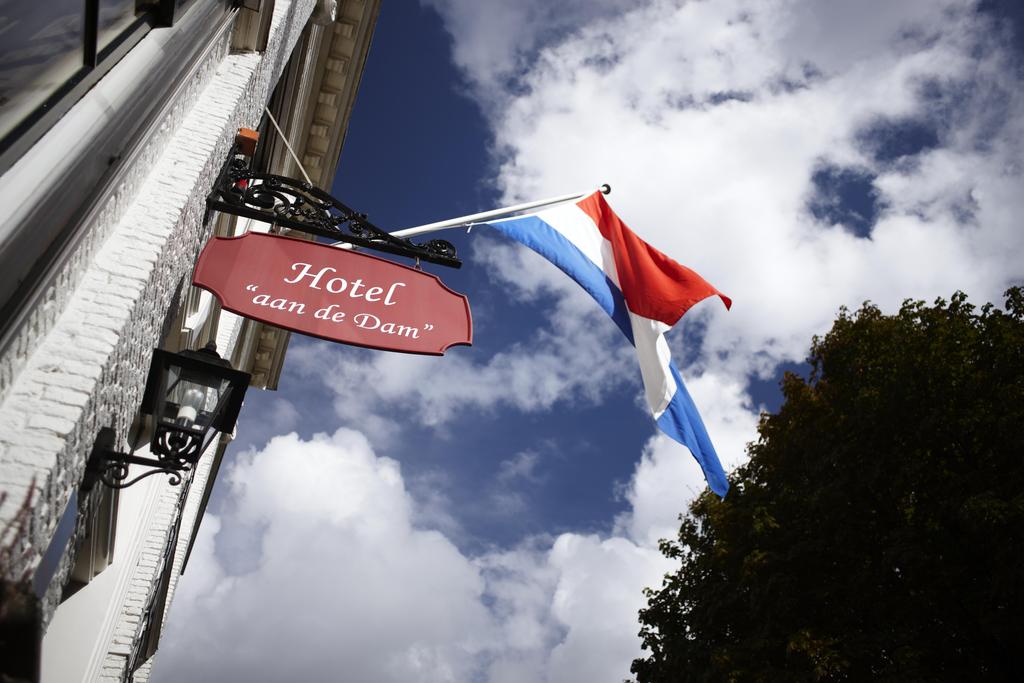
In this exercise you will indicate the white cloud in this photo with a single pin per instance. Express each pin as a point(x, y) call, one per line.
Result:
point(521, 466)
point(344, 583)
point(596, 599)
point(348, 581)
point(493, 41)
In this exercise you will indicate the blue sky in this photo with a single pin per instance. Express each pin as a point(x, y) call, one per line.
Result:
point(493, 515)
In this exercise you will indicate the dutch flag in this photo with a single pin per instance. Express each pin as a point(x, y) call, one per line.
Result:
point(644, 292)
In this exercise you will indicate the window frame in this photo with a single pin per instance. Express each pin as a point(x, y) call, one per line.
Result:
point(95, 65)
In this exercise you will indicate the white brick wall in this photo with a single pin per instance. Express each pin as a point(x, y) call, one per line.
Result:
point(82, 362)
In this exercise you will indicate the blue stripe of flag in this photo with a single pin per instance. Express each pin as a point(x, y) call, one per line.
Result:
point(553, 245)
point(682, 422)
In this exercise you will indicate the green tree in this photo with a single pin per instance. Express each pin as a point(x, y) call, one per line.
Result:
point(877, 531)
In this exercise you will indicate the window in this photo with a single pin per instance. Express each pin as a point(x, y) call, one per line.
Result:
point(41, 48)
point(52, 51)
point(115, 17)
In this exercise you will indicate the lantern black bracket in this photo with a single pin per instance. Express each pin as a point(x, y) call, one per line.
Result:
point(191, 396)
point(299, 205)
point(111, 467)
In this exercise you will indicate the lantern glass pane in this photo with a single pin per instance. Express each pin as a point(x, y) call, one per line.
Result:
point(193, 398)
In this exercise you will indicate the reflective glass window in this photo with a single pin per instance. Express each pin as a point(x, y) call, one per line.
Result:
point(114, 17)
point(41, 48)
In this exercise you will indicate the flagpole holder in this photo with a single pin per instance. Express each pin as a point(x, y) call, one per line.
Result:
point(299, 205)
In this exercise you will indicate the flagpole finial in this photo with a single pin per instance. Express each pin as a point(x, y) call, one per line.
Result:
point(606, 189)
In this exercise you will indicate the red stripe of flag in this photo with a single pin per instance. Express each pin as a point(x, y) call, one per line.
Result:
point(654, 285)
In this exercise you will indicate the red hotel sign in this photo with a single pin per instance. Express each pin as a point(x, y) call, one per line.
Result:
point(334, 294)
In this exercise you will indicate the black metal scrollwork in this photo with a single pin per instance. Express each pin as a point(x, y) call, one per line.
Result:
point(111, 468)
point(300, 206)
point(174, 445)
point(114, 475)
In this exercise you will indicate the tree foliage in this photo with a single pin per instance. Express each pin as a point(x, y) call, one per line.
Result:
point(877, 531)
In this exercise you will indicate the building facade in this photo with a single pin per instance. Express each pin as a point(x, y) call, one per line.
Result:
point(111, 138)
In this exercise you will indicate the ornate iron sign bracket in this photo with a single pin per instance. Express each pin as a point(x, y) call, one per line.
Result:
point(299, 205)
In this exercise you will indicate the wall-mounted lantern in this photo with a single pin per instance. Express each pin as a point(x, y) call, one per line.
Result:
point(191, 396)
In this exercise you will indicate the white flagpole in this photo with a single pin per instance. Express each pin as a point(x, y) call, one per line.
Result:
point(495, 213)
point(483, 216)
